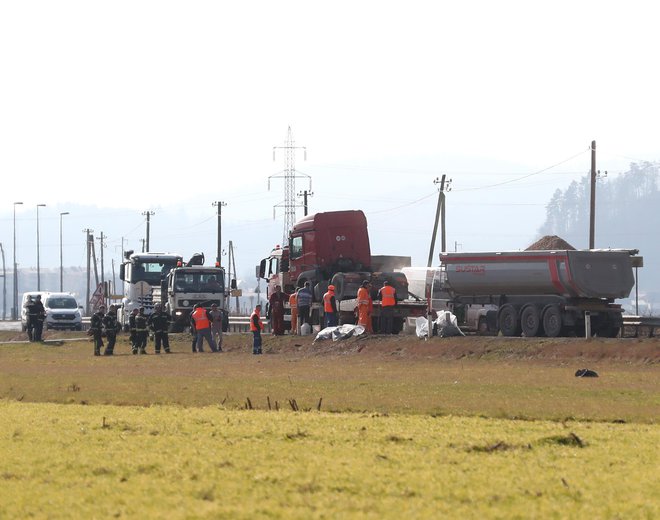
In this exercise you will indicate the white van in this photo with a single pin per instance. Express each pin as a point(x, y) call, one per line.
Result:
point(62, 311)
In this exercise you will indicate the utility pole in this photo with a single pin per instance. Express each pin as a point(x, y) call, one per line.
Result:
point(102, 245)
point(4, 285)
point(38, 263)
point(14, 310)
point(439, 215)
point(61, 262)
point(90, 243)
point(219, 205)
point(148, 214)
point(289, 175)
point(304, 194)
point(143, 242)
point(592, 207)
point(233, 264)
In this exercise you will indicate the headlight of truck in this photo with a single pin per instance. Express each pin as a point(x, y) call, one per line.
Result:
point(185, 303)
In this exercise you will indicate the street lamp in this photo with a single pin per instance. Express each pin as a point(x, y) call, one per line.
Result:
point(38, 268)
point(61, 268)
point(14, 310)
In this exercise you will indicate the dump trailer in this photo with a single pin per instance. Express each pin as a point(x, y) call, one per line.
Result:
point(543, 293)
point(333, 248)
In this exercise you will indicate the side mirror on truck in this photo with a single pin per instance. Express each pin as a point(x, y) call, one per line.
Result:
point(232, 284)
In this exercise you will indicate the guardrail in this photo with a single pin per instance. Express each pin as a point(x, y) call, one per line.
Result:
point(645, 325)
point(236, 324)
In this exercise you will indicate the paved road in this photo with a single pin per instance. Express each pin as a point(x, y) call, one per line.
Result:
point(10, 326)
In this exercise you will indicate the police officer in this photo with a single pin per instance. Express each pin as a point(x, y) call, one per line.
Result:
point(96, 329)
point(30, 316)
point(133, 331)
point(159, 322)
point(141, 331)
point(39, 317)
point(110, 327)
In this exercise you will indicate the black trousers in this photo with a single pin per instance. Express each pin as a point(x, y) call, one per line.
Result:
point(160, 336)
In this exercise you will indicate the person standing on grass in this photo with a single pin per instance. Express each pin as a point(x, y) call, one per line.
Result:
point(39, 317)
point(304, 303)
point(203, 327)
point(365, 306)
point(96, 329)
point(256, 327)
point(216, 314)
point(141, 331)
point(276, 310)
point(133, 331)
point(159, 321)
point(330, 307)
point(110, 328)
point(293, 304)
point(387, 296)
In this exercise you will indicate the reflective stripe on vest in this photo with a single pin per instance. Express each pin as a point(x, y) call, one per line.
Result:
point(363, 296)
point(387, 296)
point(253, 327)
point(201, 319)
point(327, 303)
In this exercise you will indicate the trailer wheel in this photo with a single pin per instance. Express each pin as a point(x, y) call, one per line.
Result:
point(508, 321)
point(552, 322)
point(530, 321)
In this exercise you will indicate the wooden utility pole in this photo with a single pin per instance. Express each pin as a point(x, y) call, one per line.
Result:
point(89, 238)
point(439, 216)
point(219, 204)
point(304, 194)
point(148, 214)
point(592, 207)
point(4, 285)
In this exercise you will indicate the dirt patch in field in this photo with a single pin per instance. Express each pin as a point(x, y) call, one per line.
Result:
point(625, 350)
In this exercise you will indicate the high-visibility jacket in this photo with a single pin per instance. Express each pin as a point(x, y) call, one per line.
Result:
point(387, 296)
point(293, 301)
point(363, 296)
point(201, 319)
point(327, 302)
point(255, 324)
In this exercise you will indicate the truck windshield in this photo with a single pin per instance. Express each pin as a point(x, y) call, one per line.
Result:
point(186, 281)
point(61, 302)
point(296, 247)
point(151, 272)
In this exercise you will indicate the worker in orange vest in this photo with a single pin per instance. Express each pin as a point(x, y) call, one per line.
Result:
point(364, 306)
point(330, 307)
point(256, 327)
point(293, 303)
point(203, 327)
point(387, 295)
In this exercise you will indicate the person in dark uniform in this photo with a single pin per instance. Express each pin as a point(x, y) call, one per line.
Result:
point(193, 332)
point(96, 329)
point(141, 331)
point(39, 317)
point(133, 331)
point(110, 327)
point(159, 322)
point(29, 317)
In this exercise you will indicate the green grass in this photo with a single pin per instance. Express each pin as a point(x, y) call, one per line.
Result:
point(75, 461)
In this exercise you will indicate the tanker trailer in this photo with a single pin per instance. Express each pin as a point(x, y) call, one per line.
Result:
point(543, 293)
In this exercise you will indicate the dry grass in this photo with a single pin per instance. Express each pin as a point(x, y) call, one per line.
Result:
point(489, 377)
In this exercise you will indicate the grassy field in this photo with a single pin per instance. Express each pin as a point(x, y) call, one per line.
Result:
point(387, 376)
point(467, 428)
point(80, 461)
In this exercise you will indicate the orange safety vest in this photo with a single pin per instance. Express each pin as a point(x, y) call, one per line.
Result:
point(201, 319)
point(253, 327)
point(363, 296)
point(327, 304)
point(387, 296)
point(293, 300)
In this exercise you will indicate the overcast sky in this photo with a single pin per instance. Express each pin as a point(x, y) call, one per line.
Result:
point(172, 105)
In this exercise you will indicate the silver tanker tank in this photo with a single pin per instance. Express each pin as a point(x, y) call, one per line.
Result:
point(603, 274)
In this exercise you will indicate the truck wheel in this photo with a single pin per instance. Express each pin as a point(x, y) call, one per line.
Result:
point(530, 321)
point(552, 322)
point(508, 321)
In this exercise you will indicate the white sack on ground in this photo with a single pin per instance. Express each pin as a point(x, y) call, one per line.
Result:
point(339, 333)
